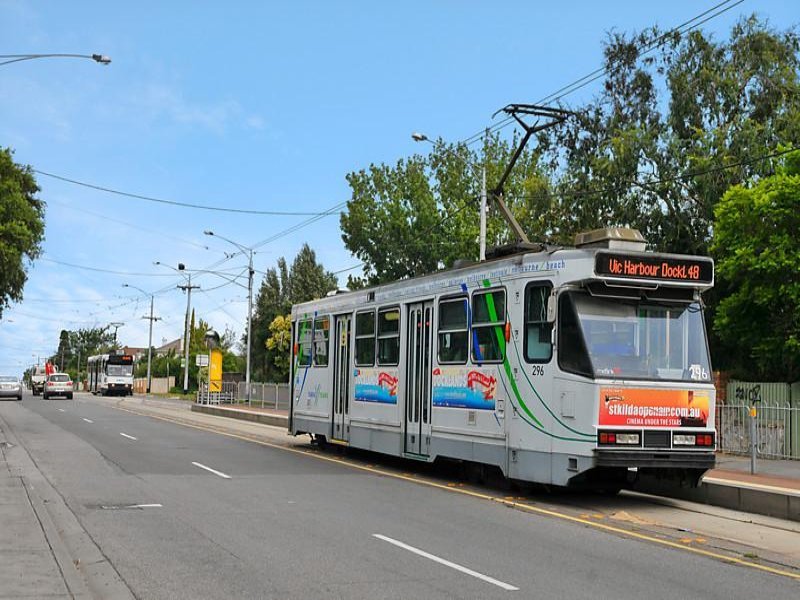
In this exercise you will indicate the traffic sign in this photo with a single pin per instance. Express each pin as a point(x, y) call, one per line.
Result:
point(201, 360)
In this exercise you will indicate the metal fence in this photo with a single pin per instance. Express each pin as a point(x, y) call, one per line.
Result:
point(777, 419)
point(265, 395)
point(226, 395)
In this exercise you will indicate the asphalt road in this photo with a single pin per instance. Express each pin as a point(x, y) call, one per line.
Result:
point(186, 513)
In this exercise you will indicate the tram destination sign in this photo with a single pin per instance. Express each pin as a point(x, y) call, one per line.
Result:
point(654, 266)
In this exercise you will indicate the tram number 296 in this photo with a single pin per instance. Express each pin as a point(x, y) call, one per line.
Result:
point(537, 370)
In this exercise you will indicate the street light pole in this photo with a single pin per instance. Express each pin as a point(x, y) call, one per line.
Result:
point(186, 333)
point(150, 336)
point(250, 272)
point(12, 58)
point(421, 137)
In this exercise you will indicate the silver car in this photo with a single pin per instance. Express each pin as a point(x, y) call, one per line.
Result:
point(58, 384)
point(10, 387)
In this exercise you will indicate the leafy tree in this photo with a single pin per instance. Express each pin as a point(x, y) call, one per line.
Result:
point(21, 226)
point(271, 300)
point(690, 105)
point(305, 280)
point(422, 214)
point(279, 344)
point(757, 253)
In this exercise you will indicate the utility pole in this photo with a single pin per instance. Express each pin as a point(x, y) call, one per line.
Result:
point(187, 334)
point(249, 252)
point(249, 321)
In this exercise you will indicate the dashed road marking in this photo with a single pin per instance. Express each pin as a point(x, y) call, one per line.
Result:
point(214, 471)
point(88, 420)
point(130, 437)
point(502, 584)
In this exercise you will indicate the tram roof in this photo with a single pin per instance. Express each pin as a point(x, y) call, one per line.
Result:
point(559, 264)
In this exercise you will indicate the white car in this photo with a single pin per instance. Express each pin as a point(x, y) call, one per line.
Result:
point(10, 387)
point(58, 384)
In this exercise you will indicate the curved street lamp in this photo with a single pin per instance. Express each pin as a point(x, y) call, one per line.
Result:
point(150, 338)
point(187, 334)
point(421, 137)
point(249, 252)
point(12, 58)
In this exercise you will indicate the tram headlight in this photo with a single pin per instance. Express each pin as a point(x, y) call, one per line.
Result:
point(628, 438)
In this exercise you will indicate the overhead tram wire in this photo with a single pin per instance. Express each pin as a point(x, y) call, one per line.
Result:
point(108, 190)
point(581, 82)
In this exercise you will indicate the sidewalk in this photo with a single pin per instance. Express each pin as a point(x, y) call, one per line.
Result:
point(28, 566)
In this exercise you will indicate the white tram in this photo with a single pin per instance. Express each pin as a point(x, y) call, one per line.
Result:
point(570, 366)
point(111, 374)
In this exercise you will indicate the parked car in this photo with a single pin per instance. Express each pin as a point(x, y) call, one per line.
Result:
point(58, 384)
point(10, 387)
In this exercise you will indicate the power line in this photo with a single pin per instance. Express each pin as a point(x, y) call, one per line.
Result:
point(601, 71)
point(175, 202)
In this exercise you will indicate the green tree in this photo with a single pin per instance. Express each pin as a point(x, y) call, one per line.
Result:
point(279, 344)
point(305, 280)
point(421, 214)
point(21, 227)
point(691, 104)
point(757, 253)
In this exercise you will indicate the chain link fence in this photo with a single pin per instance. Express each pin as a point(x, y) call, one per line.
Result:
point(777, 420)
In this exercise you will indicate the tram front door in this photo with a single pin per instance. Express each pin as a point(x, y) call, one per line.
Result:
point(418, 379)
point(342, 378)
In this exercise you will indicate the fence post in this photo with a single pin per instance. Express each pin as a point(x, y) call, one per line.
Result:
point(753, 439)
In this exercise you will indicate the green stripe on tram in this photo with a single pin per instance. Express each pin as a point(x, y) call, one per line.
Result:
point(501, 341)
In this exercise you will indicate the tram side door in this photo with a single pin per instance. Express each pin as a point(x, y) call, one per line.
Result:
point(342, 379)
point(419, 349)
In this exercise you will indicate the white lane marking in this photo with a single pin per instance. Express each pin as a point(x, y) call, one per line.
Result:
point(61, 410)
point(147, 506)
point(214, 471)
point(88, 420)
point(130, 437)
point(447, 563)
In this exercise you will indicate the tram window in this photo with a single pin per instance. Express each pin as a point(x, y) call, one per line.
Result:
point(304, 343)
point(538, 332)
point(389, 337)
point(453, 332)
point(488, 326)
point(321, 336)
point(365, 339)
point(572, 354)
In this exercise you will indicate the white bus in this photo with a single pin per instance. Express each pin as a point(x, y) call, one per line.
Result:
point(111, 374)
point(575, 367)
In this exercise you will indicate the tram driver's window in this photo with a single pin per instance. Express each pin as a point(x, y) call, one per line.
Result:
point(538, 332)
point(321, 336)
point(488, 326)
point(389, 337)
point(304, 343)
point(453, 331)
point(572, 354)
point(365, 339)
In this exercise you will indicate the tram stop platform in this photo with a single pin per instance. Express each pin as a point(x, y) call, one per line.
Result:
point(774, 489)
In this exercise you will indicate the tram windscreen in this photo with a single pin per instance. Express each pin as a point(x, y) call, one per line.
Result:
point(631, 339)
point(119, 370)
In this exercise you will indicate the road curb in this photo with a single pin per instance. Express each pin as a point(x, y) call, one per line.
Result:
point(85, 570)
point(255, 417)
point(735, 495)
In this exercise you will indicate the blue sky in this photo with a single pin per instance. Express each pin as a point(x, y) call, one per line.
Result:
point(254, 105)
